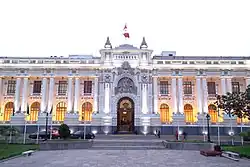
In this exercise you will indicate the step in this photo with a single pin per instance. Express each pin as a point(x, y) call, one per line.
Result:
point(127, 147)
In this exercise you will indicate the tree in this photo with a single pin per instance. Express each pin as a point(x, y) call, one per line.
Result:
point(6, 131)
point(234, 104)
point(64, 131)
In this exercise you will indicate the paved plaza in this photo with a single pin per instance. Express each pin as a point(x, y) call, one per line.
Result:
point(122, 158)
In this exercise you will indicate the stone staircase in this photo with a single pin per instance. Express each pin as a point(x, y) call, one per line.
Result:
point(131, 142)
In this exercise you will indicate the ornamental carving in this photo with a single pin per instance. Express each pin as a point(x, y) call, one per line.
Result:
point(144, 79)
point(125, 69)
point(125, 85)
point(107, 78)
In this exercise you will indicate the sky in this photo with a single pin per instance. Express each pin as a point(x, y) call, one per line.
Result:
point(62, 27)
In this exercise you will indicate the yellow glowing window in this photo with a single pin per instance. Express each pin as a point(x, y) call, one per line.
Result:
point(243, 120)
point(165, 117)
point(188, 111)
point(60, 111)
point(8, 110)
point(213, 113)
point(34, 110)
point(87, 111)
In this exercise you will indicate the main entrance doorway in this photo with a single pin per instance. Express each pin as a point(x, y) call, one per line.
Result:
point(125, 115)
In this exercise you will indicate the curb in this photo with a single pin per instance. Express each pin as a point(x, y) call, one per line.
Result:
point(10, 158)
point(7, 159)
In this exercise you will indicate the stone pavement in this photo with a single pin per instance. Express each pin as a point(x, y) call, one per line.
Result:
point(122, 158)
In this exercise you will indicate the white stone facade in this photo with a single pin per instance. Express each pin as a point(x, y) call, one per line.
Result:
point(182, 84)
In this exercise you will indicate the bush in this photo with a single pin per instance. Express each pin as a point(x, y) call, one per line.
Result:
point(64, 131)
point(245, 135)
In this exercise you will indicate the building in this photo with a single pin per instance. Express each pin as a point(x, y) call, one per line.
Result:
point(126, 89)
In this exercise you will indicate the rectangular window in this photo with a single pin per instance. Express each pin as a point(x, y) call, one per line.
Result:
point(187, 85)
point(164, 88)
point(235, 87)
point(62, 88)
point(37, 87)
point(211, 88)
point(87, 87)
point(11, 89)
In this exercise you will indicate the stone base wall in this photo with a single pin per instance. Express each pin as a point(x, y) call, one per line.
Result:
point(165, 130)
point(188, 146)
point(65, 145)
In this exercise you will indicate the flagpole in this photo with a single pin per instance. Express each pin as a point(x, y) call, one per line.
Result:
point(10, 132)
point(37, 134)
point(51, 111)
point(25, 129)
point(50, 137)
point(218, 123)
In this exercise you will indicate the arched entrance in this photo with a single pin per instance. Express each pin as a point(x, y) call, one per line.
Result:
point(125, 115)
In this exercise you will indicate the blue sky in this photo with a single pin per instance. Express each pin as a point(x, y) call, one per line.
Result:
point(63, 27)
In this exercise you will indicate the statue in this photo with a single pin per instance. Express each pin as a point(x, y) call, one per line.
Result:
point(125, 68)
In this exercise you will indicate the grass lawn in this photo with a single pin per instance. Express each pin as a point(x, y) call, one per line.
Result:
point(244, 151)
point(10, 150)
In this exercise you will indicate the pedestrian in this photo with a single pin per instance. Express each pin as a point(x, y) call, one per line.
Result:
point(184, 135)
point(159, 133)
point(156, 132)
point(176, 135)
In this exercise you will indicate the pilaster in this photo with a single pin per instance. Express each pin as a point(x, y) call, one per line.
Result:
point(25, 94)
point(77, 94)
point(17, 94)
point(69, 93)
point(44, 94)
point(199, 94)
point(180, 95)
point(205, 95)
point(155, 87)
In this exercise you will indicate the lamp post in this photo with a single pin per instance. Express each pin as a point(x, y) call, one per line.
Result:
point(218, 125)
point(46, 126)
point(208, 129)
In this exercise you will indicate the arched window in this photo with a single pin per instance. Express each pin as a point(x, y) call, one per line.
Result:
point(213, 113)
point(87, 111)
point(243, 120)
point(60, 111)
point(8, 110)
point(188, 111)
point(34, 110)
point(165, 117)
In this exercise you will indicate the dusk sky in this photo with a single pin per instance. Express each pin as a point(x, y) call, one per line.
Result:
point(63, 27)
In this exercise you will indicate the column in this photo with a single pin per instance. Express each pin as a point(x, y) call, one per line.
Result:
point(25, 94)
point(51, 93)
point(106, 98)
point(44, 92)
point(77, 94)
point(174, 95)
point(229, 85)
point(198, 95)
point(69, 91)
point(144, 99)
point(205, 95)
point(223, 86)
point(95, 108)
point(155, 85)
point(180, 97)
point(17, 95)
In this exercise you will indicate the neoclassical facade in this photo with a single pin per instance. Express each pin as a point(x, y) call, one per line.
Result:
point(126, 89)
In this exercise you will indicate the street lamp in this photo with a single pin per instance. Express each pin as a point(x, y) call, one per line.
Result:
point(46, 126)
point(208, 130)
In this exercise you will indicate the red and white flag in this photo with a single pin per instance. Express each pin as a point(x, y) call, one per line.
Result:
point(125, 31)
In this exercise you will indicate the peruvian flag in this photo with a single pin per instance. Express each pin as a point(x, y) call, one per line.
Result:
point(125, 31)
